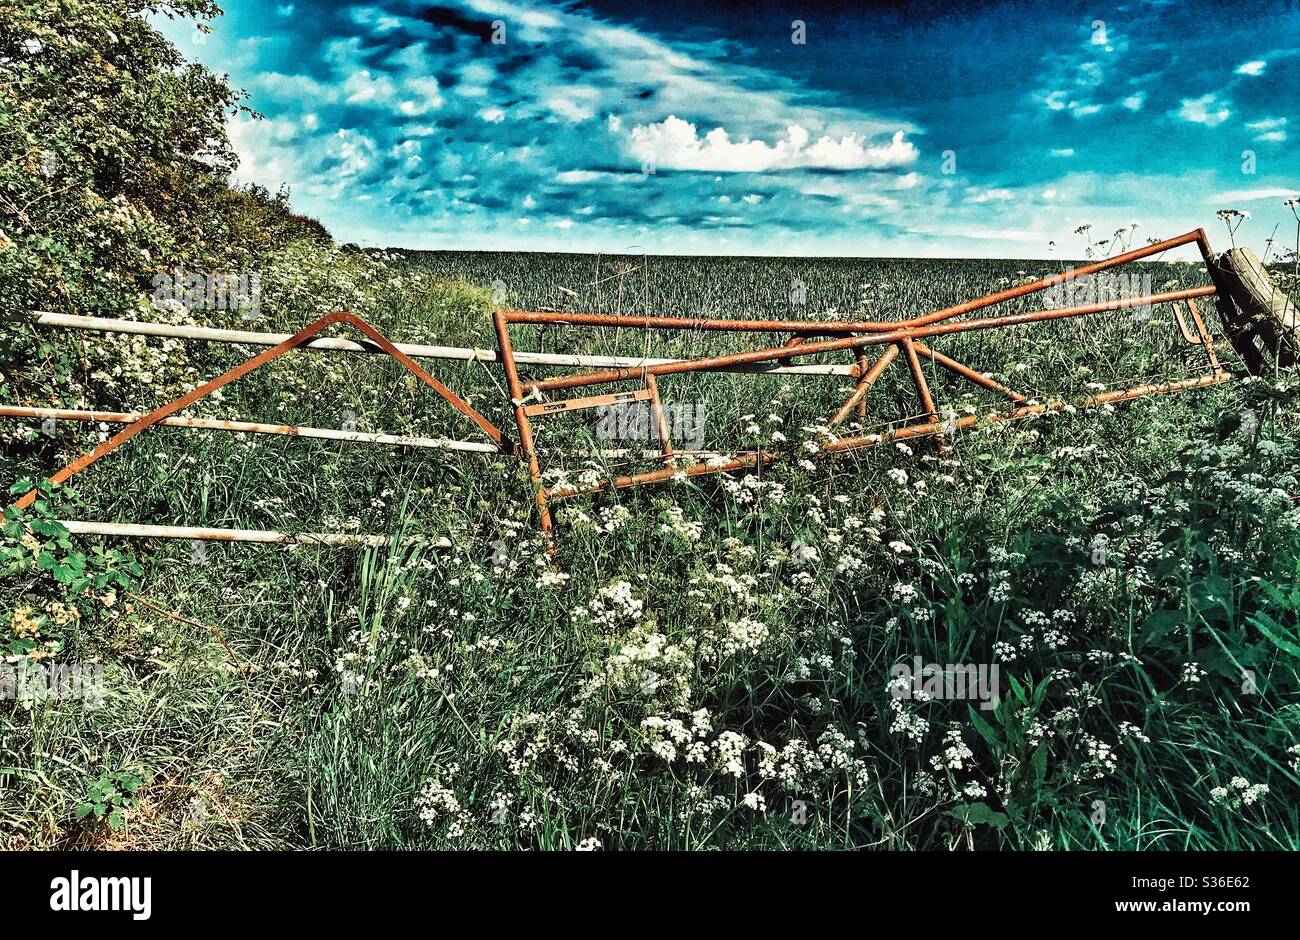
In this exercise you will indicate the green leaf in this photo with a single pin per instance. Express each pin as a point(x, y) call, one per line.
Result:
point(1274, 631)
point(977, 814)
point(986, 731)
point(51, 527)
point(1040, 692)
point(1039, 762)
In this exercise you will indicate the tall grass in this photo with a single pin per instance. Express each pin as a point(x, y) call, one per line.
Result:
point(677, 677)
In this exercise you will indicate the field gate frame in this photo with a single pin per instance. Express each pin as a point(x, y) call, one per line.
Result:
point(1268, 317)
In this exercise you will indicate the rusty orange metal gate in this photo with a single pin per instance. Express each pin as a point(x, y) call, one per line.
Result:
point(808, 337)
point(904, 339)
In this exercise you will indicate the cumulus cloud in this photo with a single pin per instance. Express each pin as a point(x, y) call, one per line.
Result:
point(363, 88)
point(1207, 109)
point(676, 144)
point(1253, 67)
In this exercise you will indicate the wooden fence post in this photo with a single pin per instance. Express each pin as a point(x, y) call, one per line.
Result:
point(1261, 321)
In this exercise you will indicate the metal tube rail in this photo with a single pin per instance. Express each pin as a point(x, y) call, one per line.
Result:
point(250, 365)
point(250, 427)
point(923, 429)
point(414, 350)
point(810, 338)
point(857, 342)
point(266, 536)
point(930, 429)
point(846, 326)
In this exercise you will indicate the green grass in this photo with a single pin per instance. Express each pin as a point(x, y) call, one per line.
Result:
point(408, 697)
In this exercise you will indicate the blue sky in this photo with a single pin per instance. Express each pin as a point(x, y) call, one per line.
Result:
point(671, 127)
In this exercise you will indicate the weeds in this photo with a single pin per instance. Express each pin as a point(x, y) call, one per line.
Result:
point(705, 664)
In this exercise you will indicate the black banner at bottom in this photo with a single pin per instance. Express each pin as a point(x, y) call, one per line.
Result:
point(334, 889)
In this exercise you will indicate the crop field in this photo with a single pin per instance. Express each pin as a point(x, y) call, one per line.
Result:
point(702, 664)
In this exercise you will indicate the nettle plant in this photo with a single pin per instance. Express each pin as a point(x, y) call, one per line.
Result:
point(111, 795)
point(52, 589)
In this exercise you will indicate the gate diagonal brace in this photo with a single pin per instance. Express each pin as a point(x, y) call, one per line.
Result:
point(906, 338)
point(302, 336)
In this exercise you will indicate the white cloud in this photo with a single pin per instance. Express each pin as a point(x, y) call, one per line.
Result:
point(1271, 130)
point(992, 195)
point(1252, 195)
point(1207, 110)
point(1063, 152)
point(706, 111)
point(424, 94)
point(364, 88)
point(573, 104)
point(675, 144)
point(294, 87)
point(570, 177)
point(261, 159)
point(356, 152)
point(1254, 67)
point(1076, 78)
point(849, 192)
point(1135, 102)
point(375, 19)
point(985, 234)
point(1061, 101)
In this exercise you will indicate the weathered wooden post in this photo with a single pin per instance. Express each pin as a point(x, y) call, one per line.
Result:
point(1261, 321)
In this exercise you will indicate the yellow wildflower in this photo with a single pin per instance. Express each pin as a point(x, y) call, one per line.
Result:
point(24, 624)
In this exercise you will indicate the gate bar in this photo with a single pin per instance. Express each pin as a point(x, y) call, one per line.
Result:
point(851, 326)
point(857, 342)
point(414, 350)
point(251, 427)
point(201, 534)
